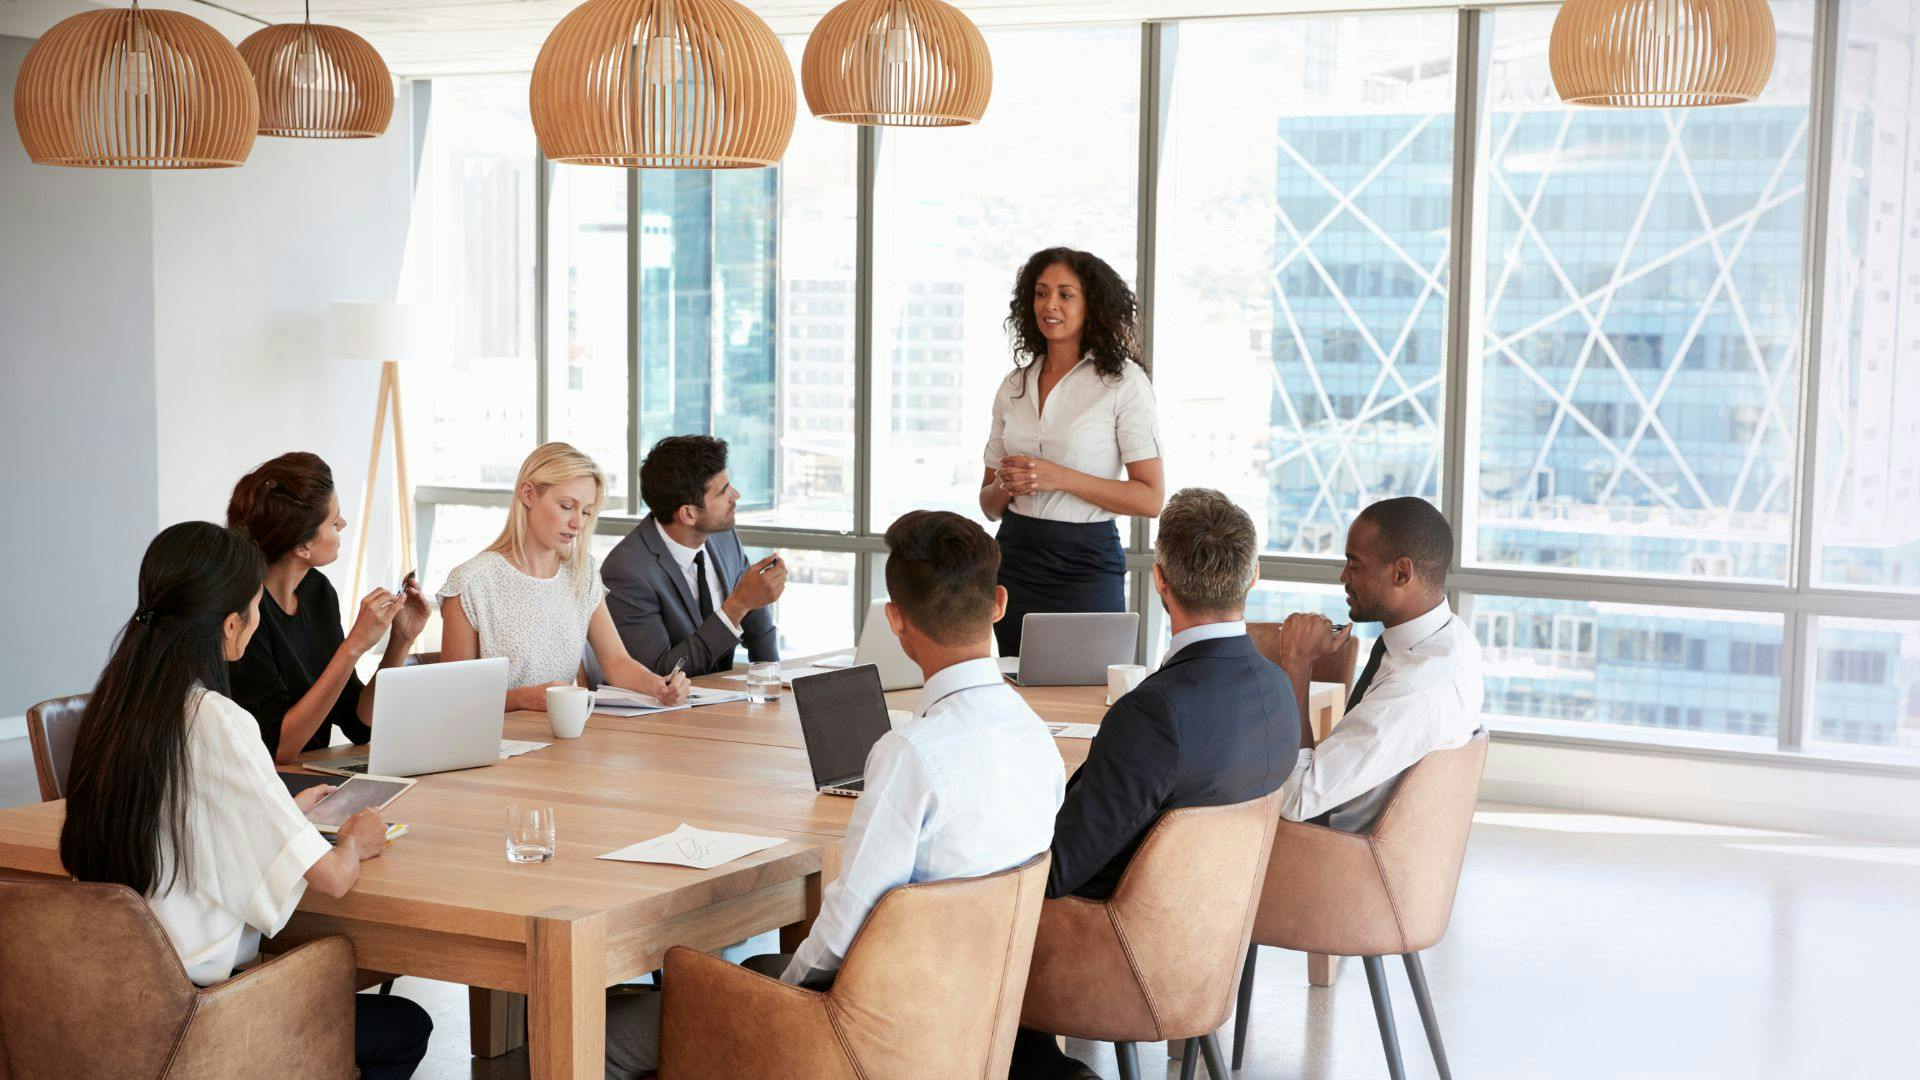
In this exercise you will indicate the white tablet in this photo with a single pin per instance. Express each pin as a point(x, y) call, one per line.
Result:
point(357, 793)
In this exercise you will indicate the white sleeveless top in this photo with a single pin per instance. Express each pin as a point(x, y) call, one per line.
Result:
point(538, 624)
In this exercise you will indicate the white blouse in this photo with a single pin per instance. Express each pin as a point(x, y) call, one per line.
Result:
point(1091, 424)
point(538, 624)
point(250, 847)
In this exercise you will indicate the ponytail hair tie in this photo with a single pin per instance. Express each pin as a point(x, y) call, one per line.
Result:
point(144, 616)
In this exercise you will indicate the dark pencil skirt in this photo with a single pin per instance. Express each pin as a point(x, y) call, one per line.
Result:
point(1057, 566)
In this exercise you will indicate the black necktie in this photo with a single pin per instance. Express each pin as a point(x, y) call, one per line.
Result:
point(1366, 675)
point(700, 576)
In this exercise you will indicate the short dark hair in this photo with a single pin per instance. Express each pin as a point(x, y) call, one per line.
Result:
point(282, 503)
point(676, 472)
point(1416, 529)
point(941, 571)
point(1206, 550)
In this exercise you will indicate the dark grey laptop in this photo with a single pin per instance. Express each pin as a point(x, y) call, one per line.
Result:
point(842, 714)
point(1074, 648)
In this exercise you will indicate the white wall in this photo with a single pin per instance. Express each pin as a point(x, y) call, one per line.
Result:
point(76, 411)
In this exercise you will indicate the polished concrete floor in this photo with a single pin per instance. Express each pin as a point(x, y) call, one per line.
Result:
point(1581, 946)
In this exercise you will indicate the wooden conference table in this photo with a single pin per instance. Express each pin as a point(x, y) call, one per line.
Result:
point(444, 903)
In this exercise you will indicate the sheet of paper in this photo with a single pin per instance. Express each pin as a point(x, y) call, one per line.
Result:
point(1073, 731)
point(799, 670)
point(619, 702)
point(516, 747)
point(701, 849)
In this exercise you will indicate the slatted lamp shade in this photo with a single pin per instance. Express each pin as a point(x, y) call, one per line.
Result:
point(1661, 53)
point(135, 89)
point(318, 82)
point(673, 84)
point(904, 63)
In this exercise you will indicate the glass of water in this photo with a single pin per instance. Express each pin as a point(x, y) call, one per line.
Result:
point(763, 682)
point(530, 836)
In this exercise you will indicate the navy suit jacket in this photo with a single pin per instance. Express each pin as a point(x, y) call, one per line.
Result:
point(658, 616)
point(1216, 725)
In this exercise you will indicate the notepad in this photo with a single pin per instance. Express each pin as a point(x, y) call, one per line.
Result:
point(615, 701)
point(700, 849)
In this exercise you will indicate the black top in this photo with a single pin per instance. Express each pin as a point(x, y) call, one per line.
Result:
point(1215, 726)
point(286, 655)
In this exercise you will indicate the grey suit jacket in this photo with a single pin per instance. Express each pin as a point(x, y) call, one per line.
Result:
point(658, 616)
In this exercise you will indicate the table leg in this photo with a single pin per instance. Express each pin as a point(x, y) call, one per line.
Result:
point(567, 994)
point(1322, 970)
point(496, 1020)
point(792, 934)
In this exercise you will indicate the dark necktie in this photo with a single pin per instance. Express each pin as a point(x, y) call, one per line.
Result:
point(700, 575)
point(1366, 675)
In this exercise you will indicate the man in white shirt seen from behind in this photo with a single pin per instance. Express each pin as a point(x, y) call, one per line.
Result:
point(969, 786)
point(1420, 690)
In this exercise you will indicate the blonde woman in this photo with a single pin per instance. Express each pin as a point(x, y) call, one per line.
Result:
point(534, 596)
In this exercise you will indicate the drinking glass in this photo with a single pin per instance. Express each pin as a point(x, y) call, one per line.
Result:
point(763, 682)
point(530, 836)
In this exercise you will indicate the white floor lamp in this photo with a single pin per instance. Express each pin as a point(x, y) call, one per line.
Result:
point(390, 334)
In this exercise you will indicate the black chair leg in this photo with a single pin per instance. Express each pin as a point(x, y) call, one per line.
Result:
point(1129, 1058)
point(1189, 1059)
point(1216, 1061)
point(1417, 975)
point(1241, 1012)
point(386, 988)
point(1383, 1012)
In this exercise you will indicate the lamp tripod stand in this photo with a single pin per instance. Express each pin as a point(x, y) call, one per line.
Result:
point(389, 403)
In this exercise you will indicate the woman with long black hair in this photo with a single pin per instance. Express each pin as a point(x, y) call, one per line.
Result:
point(1075, 441)
point(171, 795)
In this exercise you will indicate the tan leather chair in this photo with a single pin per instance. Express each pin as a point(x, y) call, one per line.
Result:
point(1336, 667)
point(90, 986)
point(1384, 893)
point(931, 987)
point(51, 727)
point(1156, 960)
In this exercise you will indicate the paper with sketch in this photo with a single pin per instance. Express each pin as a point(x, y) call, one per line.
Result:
point(702, 849)
point(1073, 731)
point(516, 747)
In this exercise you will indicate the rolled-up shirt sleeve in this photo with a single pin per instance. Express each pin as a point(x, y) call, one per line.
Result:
point(1136, 419)
point(882, 847)
point(997, 433)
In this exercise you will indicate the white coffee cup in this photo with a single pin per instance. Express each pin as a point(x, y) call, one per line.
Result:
point(567, 710)
point(1122, 678)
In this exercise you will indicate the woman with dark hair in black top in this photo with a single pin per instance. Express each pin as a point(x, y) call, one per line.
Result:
point(297, 676)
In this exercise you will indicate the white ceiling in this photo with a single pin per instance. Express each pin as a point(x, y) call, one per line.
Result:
point(443, 37)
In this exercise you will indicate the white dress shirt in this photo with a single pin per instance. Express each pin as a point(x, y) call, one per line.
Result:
point(1425, 696)
point(968, 787)
point(249, 846)
point(1092, 424)
point(684, 556)
point(1203, 632)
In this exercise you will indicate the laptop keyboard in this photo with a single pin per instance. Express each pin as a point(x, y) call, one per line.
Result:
point(855, 786)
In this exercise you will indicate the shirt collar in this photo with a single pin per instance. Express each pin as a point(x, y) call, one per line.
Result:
point(954, 678)
point(680, 552)
point(1204, 632)
point(1416, 630)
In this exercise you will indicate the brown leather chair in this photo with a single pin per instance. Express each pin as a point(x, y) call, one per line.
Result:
point(51, 727)
point(1384, 893)
point(1337, 666)
point(931, 987)
point(90, 986)
point(1156, 960)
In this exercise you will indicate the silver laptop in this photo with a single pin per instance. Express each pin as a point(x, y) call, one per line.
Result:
point(1073, 648)
point(842, 714)
point(432, 718)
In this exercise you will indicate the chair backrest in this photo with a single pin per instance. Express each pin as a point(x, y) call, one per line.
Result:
point(937, 974)
point(1185, 906)
point(89, 984)
point(1420, 839)
point(51, 727)
point(1336, 667)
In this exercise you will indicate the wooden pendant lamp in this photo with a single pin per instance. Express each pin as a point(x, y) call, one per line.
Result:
point(903, 63)
point(1661, 53)
point(663, 84)
point(318, 82)
point(135, 89)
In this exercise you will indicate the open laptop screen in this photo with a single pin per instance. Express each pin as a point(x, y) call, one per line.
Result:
point(842, 714)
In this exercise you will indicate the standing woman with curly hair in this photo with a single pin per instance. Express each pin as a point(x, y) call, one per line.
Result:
point(1075, 441)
